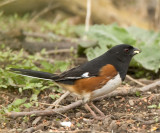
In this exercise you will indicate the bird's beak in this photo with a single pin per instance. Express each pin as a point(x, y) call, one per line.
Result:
point(136, 51)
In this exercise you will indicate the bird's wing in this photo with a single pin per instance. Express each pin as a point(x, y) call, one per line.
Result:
point(77, 73)
point(80, 72)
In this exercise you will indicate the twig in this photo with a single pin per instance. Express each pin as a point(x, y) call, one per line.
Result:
point(88, 15)
point(60, 99)
point(36, 120)
point(45, 36)
point(80, 102)
point(50, 36)
point(156, 120)
point(36, 35)
point(58, 51)
point(45, 10)
point(41, 126)
point(7, 2)
point(147, 87)
point(45, 112)
point(57, 101)
point(44, 103)
point(134, 80)
point(51, 106)
point(157, 15)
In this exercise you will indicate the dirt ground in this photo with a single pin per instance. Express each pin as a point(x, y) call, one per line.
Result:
point(124, 114)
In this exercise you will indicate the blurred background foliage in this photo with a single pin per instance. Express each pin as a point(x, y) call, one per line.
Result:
point(143, 13)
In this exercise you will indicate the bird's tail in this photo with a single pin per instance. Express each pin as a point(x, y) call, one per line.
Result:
point(35, 74)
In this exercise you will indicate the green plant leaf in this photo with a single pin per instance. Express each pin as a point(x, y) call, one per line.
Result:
point(54, 96)
point(34, 97)
point(149, 58)
point(27, 105)
point(18, 102)
point(108, 36)
point(138, 94)
point(152, 106)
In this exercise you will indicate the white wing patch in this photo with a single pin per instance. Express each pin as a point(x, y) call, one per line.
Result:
point(72, 78)
point(85, 75)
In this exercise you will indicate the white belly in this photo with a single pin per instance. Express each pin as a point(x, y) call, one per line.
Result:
point(110, 86)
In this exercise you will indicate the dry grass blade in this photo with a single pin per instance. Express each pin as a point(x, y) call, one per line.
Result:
point(134, 80)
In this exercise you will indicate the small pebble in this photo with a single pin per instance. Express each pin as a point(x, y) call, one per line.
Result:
point(123, 127)
point(107, 120)
point(66, 124)
point(113, 126)
point(131, 102)
point(145, 100)
point(149, 92)
point(78, 115)
point(73, 127)
point(122, 100)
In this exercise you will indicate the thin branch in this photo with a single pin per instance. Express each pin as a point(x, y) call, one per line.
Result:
point(80, 102)
point(56, 103)
point(45, 112)
point(51, 106)
point(88, 15)
point(7, 2)
point(41, 126)
point(47, 104)
point(134, 80)
point(147, 87)
point(46, 36)
point(156, 120)
point(58, 51)
point(157, 14)
point(49, 36)
point(45, 10)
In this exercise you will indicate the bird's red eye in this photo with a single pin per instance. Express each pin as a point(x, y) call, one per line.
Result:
point(126, 50)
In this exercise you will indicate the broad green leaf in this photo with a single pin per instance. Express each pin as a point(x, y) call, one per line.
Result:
point(149, 58)
point(107, 36)
point(18, 102)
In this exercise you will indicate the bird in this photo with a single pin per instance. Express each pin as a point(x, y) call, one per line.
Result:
point(94, 78)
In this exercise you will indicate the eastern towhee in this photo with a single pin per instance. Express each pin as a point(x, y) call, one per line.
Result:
point(93, 78)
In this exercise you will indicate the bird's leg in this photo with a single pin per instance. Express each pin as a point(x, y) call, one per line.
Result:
point(97, 109)
point(86, 99)
point(93, 113)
